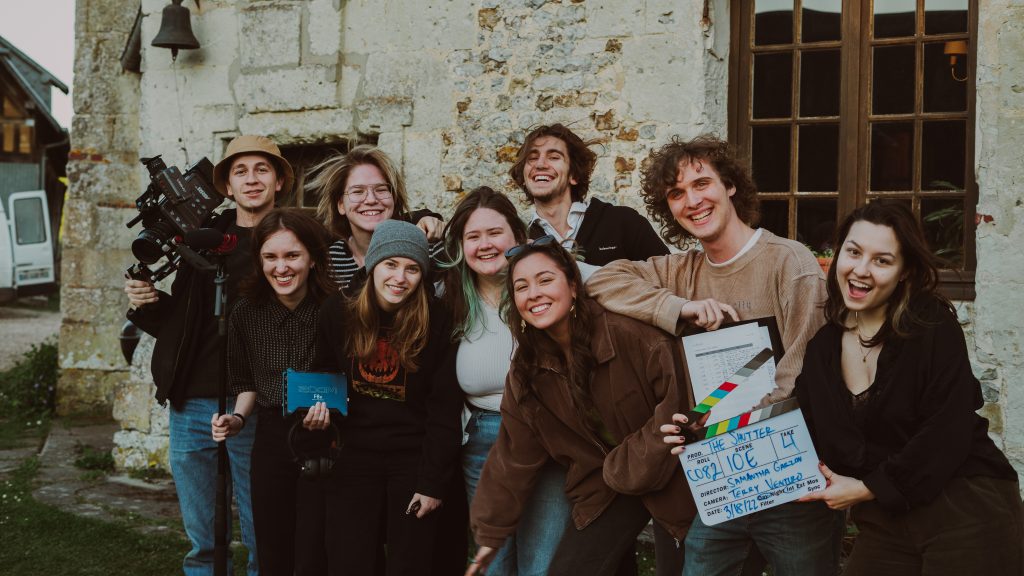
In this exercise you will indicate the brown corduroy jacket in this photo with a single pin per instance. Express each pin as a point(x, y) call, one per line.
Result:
point(636, 386)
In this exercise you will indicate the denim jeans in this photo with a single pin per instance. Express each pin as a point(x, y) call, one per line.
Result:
point(797, 539)
point(193, 455)
point(529, 551)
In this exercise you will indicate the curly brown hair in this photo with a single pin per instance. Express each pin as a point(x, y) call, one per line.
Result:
point(661, 169)
point(581, 159)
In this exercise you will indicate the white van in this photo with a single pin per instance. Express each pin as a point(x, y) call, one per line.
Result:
point(26, 245)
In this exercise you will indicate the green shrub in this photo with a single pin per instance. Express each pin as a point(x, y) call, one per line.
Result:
point(90, 458)
point(29, 388)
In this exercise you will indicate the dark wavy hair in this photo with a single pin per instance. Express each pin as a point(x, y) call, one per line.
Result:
point(532, 344)
point(311, 234)
point(460, 294)
point(581, 159)
point(661, 169)
point(920, 267)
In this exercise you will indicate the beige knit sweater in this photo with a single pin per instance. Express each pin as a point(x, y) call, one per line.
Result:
point(776, 277)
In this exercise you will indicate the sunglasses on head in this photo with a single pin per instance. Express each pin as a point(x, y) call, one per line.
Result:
point(538, 243)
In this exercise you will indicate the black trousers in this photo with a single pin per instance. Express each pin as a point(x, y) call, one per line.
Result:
point(598, 549)
point(274, 478)
point(369, 488)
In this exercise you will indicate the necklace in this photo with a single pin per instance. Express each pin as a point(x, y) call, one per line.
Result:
point(860, 342)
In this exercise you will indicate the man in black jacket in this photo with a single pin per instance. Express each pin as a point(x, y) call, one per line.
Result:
point(553, 168)
point(187, 357)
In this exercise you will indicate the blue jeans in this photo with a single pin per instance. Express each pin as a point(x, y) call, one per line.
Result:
point(797, 539)
point(529, 551)
point(193, 455)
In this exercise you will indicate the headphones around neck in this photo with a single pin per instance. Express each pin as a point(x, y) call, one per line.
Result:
point(315, 467)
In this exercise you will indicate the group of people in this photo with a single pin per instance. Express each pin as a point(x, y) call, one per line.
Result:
point(525, 377)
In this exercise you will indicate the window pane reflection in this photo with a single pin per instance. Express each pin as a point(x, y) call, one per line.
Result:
point(943, 93)
point(770, 158)
point(943, 221)
point(775, 217)
point(892, 156)
point(943, 155)
point(945, 16)
point(821, 20)
point(819, 83)
point(773, 83)
point(893, 80)
point(773, 22)
point(818, 166)
point(816, 222)
point(894, 18)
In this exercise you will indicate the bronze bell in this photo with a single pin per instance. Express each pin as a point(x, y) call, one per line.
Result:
point(176, 29)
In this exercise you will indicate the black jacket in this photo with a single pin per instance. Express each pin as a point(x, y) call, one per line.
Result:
point(176, 321)
point(611, 232)
point(920, 427)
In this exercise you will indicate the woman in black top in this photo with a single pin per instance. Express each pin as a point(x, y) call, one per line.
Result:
point(890, 398)
point(272, 327)
point(401, 436)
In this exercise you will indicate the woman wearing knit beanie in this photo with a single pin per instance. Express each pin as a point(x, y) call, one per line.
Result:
point(401, 437)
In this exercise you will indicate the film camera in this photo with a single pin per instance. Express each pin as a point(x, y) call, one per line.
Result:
point(173, 205)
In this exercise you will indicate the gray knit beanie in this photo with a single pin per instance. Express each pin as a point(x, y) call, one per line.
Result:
point(394, 238)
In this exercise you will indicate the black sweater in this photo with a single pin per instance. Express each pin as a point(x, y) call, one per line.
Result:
point(920, 428)
point(392, 410)
point(609, 232)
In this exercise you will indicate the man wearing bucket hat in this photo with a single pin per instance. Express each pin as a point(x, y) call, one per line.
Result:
point(186, 362)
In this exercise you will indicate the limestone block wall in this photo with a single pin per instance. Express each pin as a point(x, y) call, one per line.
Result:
point(448, 87)
point(999, 157)
point(104, 183)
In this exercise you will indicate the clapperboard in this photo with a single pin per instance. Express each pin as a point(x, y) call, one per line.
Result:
point(753, 461)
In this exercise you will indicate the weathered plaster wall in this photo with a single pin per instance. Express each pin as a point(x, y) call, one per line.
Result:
point(103, 185)
point(999, 308)
point(448, 87)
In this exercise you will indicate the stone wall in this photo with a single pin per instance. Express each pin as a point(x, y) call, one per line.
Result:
point(103, 185)
point(449, 88)
point(999, 158)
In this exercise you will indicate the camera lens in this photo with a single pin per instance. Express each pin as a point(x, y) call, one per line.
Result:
point(148, 247)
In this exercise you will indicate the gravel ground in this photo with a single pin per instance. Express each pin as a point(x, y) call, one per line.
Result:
point(21, 327)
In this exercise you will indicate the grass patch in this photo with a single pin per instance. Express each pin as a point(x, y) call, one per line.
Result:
point(42, 540)
point(89, 458)
point(149, 473)
point(28, 390)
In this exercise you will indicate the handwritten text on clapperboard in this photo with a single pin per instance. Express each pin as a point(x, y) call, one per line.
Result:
point(752, 468)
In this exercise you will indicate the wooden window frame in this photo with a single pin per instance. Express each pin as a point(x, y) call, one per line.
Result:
point(854, 133)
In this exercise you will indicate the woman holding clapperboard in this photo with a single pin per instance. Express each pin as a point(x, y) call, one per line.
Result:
point(585, 388)
point(890, 400)
point(272, 327)
point(401, 437)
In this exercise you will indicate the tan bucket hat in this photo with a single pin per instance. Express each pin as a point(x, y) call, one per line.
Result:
point(249, 144)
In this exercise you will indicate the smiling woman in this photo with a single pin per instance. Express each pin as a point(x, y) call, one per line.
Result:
point(401, 436)
point(584, 389)
point(890, 398)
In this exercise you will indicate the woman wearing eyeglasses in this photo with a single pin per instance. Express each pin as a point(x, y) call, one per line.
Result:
point(357, 192)
point(586, 388)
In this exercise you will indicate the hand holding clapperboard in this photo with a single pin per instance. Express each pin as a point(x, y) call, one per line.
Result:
point(745, 461)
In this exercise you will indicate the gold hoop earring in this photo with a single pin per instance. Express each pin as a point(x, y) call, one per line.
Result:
point(522, 325)
point(572, 309)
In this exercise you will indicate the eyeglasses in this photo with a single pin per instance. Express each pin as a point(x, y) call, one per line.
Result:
point(359, 193)
point(538, 243)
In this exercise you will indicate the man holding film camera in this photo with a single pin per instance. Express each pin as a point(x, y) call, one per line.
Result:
point(187, 359)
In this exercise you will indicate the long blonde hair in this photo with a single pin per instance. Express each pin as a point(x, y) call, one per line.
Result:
point(409, 332)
